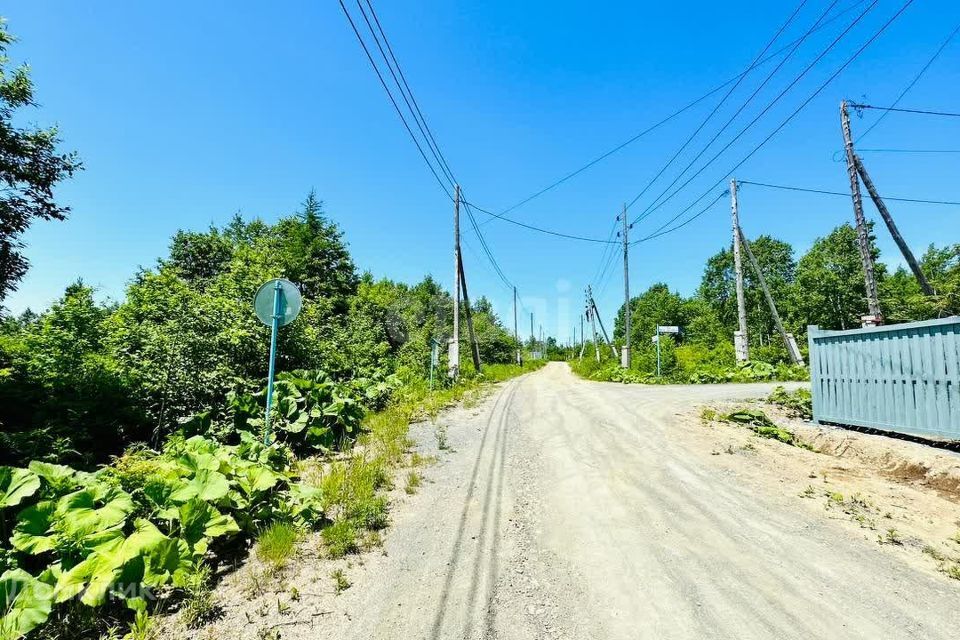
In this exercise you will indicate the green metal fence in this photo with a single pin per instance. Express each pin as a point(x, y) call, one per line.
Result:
point(901, 378)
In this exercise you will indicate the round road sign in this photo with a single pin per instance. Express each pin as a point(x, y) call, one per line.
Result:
point(265, 302)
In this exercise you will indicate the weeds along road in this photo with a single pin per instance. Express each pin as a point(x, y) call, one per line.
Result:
point(567, 510)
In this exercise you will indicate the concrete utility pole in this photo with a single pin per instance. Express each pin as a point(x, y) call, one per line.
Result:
point(875, 317)
point(516, 333)
point(891, 225)
point(474, 345)
point(741, 341)
point(583, 338)
point(788, 338)
point(596, 314)
point(625, 353)
point(593, 325)
point(533, 337)
point(453, 349)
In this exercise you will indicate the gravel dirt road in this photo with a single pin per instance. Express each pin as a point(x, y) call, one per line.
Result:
point(566, 509)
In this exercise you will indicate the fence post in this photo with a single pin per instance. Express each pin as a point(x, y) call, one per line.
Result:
point(812, 332)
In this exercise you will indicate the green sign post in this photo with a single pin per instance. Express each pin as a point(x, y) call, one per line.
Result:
point(276, 304)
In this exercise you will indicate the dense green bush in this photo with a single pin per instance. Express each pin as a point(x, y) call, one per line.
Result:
point(146, 523)
point(63, 396)
point(799, 402)
point(84, 380)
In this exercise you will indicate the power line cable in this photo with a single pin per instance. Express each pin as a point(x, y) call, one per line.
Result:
point(859, 151)
point(551, 232)
point(653, 207)
point(393, 100)
point(607, 249)
point(485, 246)
point(743, 106)
point(415, 108)
point(916, 79)
point(605, 269)
point(662, 231)
point(784, 187)
point(948, 114)
point(802, 106)
point(837, 155)
point(723, 100)
point(665, 120)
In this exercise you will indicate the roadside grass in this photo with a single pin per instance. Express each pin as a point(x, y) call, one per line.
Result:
point(340, 538)
point(351, 486)
point(277, 543)
point(199, 605)
point(892, 536)
point(414, 480)
point(340, 581)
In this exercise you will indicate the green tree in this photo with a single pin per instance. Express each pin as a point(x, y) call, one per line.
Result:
point(718, 287)
point(495, 342)
point(30, 167)
point(315, 255)
point(655, 306)
point(200, 255)
point(63, 396)
point(829, 287)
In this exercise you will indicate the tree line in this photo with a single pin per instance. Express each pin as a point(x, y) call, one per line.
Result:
point(824, 287)
point(84, 379)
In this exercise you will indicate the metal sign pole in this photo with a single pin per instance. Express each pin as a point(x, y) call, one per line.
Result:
point(276, 304)
point(658, 351)
point(275, 327)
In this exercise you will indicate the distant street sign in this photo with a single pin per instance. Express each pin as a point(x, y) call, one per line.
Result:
point(668, 329)
point(265, 302)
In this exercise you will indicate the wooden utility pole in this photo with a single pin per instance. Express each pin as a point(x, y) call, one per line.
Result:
point(453, 349)
point(788, 338)
point(875, 317)
point(625, 354)
point(891, 225)
point(516, 333)
point(474, 345)
point(741, 341)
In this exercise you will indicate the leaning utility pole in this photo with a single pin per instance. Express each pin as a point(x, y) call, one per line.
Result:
point(516, 333)
point(474, 345)
point(741, 341)
point(593, 325)
point(596, 314)
point(453, 349)
point(788, 338)
point(625, 353)
point(891, 225)
point(875, 317)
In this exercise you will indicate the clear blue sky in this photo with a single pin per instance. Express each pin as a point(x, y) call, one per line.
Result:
point(187, 112)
